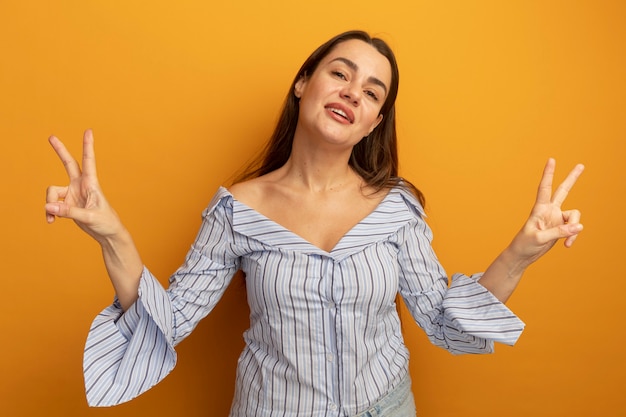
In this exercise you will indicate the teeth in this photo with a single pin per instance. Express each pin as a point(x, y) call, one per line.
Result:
point(339, 112)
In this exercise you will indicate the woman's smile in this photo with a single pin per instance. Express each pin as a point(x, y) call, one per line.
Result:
point(341, 113)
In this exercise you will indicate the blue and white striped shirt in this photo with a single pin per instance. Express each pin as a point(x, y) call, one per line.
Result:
point(324, 337)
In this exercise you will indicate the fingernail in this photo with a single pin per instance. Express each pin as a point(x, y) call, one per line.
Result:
point(52, 209)
point(575, 228)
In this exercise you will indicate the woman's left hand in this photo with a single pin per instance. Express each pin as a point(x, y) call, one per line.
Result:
point(548, 222)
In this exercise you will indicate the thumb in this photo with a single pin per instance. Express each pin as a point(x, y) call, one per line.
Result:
point(64, 210)
point(562, 231)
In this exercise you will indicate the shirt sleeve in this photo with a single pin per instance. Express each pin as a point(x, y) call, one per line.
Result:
point(129, 352)
point(463, 317)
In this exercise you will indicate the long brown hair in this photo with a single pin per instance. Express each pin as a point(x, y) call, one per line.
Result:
point(374, 158)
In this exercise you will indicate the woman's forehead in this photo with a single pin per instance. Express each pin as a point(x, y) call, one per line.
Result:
point(365, 56)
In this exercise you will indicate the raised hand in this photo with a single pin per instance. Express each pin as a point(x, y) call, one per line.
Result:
point(547, 222)
point(82, 199)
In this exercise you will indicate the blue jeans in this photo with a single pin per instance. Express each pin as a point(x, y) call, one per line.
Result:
point(397, 403)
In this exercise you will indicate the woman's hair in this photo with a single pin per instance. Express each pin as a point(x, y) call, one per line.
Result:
point(374, 158)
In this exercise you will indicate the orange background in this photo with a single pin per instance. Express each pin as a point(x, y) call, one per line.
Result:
point(181, 94)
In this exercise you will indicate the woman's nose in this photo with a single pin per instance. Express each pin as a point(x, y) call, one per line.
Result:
point(352, 94)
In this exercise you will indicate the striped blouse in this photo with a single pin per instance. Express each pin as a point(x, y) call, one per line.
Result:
point(324, 337)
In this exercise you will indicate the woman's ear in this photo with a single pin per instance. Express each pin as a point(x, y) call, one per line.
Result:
point(376, 123)
point(299, 86)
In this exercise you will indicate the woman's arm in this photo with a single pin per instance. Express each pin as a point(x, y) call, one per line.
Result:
point(83, 201)
point(547, 224)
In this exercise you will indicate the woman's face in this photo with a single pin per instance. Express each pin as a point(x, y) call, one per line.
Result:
point(342, 99)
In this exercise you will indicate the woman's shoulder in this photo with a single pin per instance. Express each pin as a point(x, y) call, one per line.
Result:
point(410, 198)
point(251, 192)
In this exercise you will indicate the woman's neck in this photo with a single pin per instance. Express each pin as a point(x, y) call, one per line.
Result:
point(319, 169)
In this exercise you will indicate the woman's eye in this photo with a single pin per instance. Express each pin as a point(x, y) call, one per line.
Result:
point(372, 95)
point(339, 74)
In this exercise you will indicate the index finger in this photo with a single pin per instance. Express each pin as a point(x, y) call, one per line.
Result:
point(563, 190)
point(70, 164)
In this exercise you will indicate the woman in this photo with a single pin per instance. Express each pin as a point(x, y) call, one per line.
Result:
point(327, 235)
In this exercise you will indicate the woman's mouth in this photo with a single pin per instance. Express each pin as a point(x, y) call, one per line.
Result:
point(342, 112)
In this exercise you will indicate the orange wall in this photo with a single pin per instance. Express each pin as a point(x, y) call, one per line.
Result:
point(181, 94)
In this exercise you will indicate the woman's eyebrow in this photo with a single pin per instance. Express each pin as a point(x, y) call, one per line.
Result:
point(353, 66)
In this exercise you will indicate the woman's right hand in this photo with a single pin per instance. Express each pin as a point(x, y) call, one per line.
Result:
point(82, 199)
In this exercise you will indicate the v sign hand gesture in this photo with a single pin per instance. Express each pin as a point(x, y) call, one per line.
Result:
point(546, 224)
point(83, 201)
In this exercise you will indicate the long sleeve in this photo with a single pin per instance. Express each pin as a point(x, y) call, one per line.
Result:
point(129, 352)
point(463, 317)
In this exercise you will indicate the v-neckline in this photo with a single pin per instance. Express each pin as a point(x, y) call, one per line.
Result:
point(337, 245)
